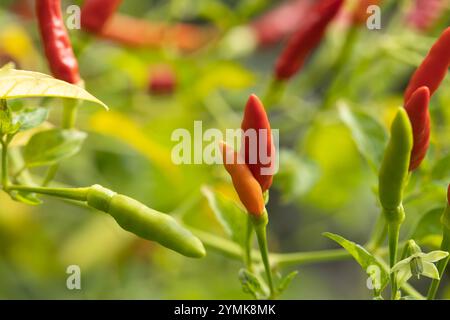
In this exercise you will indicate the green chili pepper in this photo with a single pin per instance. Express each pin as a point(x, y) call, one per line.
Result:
point(132, 216)
point(395, 165)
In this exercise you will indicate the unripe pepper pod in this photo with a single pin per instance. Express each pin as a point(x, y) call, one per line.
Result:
point(145, 222)
point(419, 115)
point(257, 144)
point(394, 168)
point(246, 186)
point(58, 48)
point(434, 67)
point(306, 39)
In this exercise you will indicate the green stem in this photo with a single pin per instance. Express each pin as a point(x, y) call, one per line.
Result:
point(69, 115)
point(441, 265)
point(5, 179)
point(248, 245)
point(292, 259)
point(394, 232)
point(262, 242)
point(51, 173)
point(79, 194)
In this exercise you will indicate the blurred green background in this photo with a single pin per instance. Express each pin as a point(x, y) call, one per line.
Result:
point(325, 182)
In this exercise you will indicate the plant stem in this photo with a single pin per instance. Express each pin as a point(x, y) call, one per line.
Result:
point(248, 245)
point(262, 242)
point(291, 259)
point(5, 179)
point(394, 232)
point(378, 235)
point(441, 265)
point(69, 115)
point(79, 194)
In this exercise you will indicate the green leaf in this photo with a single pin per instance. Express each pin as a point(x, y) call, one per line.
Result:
point(286, 281)
point(51, 146)
point(30, 118)
point(428, 230)
point(232, 218)
point(369, 135)
point(365, 259)
point(296, 175)
point(7, 125)
point(26, 197)
point(22, 84)
point(251, 284)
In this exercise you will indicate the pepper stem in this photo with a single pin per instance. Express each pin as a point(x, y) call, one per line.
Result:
point(260, 224)
point(79, 194)
point(394, 232)
point(248, 245)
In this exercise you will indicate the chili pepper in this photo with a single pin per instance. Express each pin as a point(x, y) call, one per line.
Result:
point(395, 165)
point(246, 186)
point(425, 13)
point(257, 142)
point(96, 13)
point(360, 14)
point(162, 81)
point(145, 222)
point(280, 21)
point(58, 49)
point(306, 38)
point(419, 115)
point(434, 67)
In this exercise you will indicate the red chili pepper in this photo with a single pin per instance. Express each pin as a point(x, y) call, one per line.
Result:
point(58, 49)
point(281, 21)
point(256, 124)
point(419, 115)
point(246, 186)
point(162, 80)
point(433, 68)
point(307, 37)
point(95, 13)
point(425, 13)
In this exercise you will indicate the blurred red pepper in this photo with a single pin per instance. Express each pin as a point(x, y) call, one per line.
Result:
point(425, 13)
point(434, 67)
point(96, 13)
point(255, 121)
point(306, 38)
point(136, 32)
point(246, 186)
point(281, 21)
point(162, 80)
point(58, 48)
point(419, 115)
point(23, 8)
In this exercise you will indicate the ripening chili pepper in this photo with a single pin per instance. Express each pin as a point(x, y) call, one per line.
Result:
point(360, 14)
point(96, 13)
point(394, 168)
point(419, 115)
point(306, 38)
point(257, 144)
point(246, 186)
point(162, 81)
point(425, 13)
point(279, 22)
point(434, 67)
point(58, 49)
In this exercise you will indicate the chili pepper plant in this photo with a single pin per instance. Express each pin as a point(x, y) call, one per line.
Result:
point(351, 165)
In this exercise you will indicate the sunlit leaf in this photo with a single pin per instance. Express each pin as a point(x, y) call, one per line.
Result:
point(22, 84)
point(30, 118)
